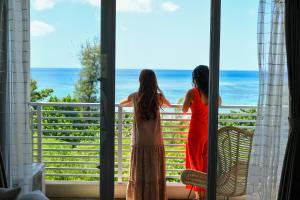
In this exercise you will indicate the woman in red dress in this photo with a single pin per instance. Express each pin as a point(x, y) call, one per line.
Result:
point(196, 146)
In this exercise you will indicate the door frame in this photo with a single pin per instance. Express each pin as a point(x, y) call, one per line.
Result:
point(214, 68)
point(107, 98)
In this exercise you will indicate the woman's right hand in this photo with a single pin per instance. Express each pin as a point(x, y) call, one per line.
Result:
point(127, 101)
point(165, 101)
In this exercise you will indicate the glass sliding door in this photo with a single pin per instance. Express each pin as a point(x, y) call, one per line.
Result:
point(65, 94)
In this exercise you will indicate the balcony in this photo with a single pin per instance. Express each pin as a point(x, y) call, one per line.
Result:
point(66, 140)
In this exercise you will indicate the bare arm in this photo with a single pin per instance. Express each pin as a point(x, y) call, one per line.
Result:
point(220, 101)
point(165, 101)
point(187, 101)
point(127, 101)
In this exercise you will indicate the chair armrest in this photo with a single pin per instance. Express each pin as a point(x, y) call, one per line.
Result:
point(193, 177)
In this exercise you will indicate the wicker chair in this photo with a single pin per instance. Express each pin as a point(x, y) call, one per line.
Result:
point(234, 149)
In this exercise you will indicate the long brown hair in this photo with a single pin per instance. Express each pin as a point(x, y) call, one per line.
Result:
point(149, 95)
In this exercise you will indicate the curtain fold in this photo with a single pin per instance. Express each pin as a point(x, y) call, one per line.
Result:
point(3, 181)
point(271, 125)
point(3, 65)
point(290, 179)
point(18, 95)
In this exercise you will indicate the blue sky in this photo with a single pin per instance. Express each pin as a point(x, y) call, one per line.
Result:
point(167, 34)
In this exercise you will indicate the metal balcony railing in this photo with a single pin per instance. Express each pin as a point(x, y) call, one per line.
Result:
point(66, 138)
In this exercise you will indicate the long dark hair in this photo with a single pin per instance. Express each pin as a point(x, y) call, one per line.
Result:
point(201, 78)
point(148, 101)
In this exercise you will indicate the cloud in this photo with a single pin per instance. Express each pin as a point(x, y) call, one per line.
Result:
point(139, 6)
point(170, 6)
point(124, 28)
point(39, 28)
point(96, 3)
point(43, 4)
point(134, 5)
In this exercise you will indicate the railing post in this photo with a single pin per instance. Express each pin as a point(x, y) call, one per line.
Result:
point(120, 144)
point(39, 131)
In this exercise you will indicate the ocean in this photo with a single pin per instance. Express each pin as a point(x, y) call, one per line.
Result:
point(236, 87)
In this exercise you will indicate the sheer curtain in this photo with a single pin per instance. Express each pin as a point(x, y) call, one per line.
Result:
point(3, 40)
point(18, 95)
point(272, 120)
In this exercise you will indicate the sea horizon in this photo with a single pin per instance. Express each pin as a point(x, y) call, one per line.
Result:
point(237, 87)
point(153, 68)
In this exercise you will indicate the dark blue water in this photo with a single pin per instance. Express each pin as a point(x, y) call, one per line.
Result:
point(236, 87)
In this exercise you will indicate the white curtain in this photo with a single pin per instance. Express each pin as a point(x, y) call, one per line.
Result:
point(18, 90)
point(272, 120)
point(3, 41)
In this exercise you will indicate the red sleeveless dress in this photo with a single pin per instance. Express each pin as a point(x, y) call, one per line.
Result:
point(196, 144)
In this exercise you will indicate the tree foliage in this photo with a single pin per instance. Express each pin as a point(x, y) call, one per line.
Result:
point(87, 87)
point(38, 95)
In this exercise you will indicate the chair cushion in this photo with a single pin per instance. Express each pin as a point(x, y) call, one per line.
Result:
point(35, 195)
point(10, 194)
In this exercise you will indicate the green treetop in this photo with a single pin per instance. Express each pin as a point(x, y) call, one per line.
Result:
point(38, 95)
point(87, 87)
